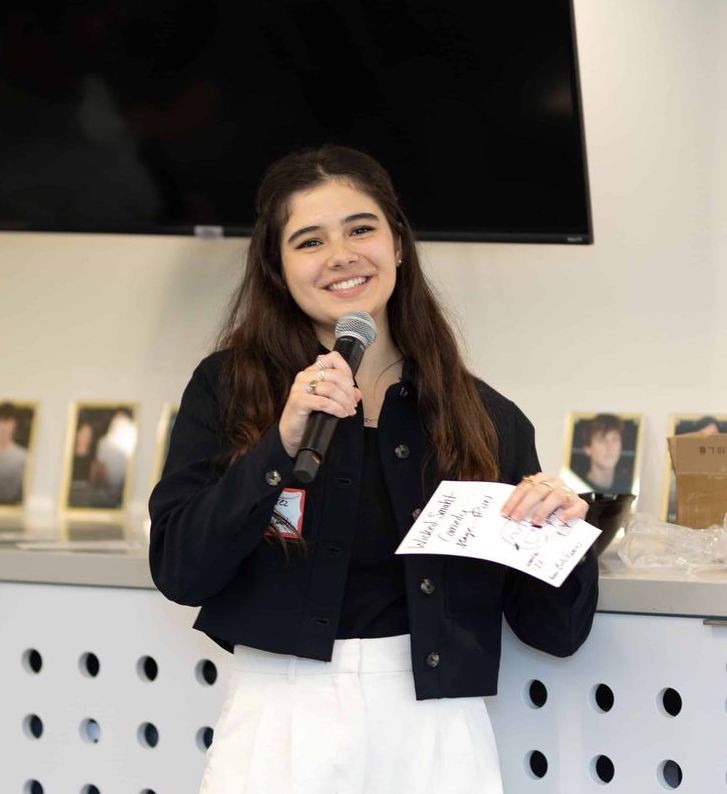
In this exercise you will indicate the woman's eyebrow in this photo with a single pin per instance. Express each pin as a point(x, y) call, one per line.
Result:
point(357, 216)
point(360, 216)
point(301, 232)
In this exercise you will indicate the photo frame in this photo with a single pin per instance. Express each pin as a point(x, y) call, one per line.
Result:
point(602, 452)
point(680, 424)
point(164, 434)
point(18, 419)
point(100, 449)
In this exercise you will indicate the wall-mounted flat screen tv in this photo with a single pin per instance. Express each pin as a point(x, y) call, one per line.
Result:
point(159, 116)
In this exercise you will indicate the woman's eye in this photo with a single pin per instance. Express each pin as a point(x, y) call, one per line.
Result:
point(312, 243)
point(361, 230)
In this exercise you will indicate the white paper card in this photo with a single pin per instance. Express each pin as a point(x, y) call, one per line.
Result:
point(464, 519)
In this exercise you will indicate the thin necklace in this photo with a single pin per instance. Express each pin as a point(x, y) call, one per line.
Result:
point(372, 420)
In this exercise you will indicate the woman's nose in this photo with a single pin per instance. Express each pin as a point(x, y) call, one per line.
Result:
point(341, 254)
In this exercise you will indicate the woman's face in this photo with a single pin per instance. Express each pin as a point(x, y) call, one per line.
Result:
point(339, 255)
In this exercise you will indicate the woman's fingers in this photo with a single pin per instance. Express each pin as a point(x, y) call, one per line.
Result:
point(334, 362)
point(538, 495)
point(326, 385)
point(329, 397)
point(330, 377)
point(574, 507)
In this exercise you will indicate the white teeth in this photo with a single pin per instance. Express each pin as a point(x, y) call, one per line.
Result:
point(352, 282)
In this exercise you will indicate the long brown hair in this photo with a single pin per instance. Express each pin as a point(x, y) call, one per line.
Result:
point(272, 339)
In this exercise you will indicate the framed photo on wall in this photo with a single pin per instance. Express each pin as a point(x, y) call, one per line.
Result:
point(602, 452)
point(17, 435)
point(100, 449)
point(164, 434)
point(681, 424)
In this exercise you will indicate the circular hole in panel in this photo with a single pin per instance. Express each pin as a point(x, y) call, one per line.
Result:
point(537, 694)
point(669, 774)
point(670, 701)
point(33, 726)
point(90, 731)
point(32, 787)
point(206, 672)
point(537, 763)
point(204, 738)
point(147, 668)
point(603, 769)
point(603, 698)
point(89, 665)
point(90, 789)
point(148, 735)
point(32, 662)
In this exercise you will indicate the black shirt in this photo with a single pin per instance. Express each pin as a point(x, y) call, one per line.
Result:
point(374, 600)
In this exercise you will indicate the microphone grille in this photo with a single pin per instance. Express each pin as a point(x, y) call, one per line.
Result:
point(359, 325)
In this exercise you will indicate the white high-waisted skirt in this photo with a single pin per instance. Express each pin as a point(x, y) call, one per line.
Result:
point(348, 726)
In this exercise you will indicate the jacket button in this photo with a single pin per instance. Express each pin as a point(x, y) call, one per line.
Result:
point(273, 477)
point(401, 451)
point(403, 392)
point(433, 659)
point(427, 586)
point(416, 513)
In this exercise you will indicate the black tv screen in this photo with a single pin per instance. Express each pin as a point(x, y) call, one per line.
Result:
point(160, 116)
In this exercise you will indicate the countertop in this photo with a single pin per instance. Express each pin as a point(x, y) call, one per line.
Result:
point(116, 556)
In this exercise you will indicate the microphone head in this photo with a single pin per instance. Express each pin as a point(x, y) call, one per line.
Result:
point(359, 325)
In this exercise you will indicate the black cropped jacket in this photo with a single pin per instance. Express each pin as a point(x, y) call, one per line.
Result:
point(207, 547)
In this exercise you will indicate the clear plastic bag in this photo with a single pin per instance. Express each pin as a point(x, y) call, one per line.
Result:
point(649, 543)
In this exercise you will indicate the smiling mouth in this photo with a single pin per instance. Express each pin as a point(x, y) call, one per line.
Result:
point(347, 284)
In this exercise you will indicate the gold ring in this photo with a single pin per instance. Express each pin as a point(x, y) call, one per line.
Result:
point(529, 480)
point(322, 375)
point(569, 495)
point(311, 387)
point(547, 484)
point(320, 366)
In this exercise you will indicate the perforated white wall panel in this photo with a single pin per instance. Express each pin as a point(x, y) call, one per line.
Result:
point(107, 691)
point(125, 629)
point(640, 708)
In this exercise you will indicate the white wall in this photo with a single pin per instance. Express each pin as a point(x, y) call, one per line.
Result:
point(636, 322)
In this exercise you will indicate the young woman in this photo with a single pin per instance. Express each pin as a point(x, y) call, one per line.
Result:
point(354, 670)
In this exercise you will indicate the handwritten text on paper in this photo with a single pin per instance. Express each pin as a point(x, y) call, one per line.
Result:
point(464, 519)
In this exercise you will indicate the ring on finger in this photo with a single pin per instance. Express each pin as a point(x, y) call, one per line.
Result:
point(322, 374)
point(321, 366)
point(569, 495)
point(311, 387)
point(530, 480)
point(547, 484)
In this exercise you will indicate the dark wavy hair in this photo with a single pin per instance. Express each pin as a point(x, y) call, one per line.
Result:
point(272, 339)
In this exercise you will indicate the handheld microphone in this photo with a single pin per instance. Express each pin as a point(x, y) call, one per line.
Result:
point(354, 333)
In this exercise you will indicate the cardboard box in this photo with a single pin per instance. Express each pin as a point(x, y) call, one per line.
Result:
point(700, 466)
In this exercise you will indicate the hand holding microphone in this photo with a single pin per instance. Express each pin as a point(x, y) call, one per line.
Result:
point(323, 393)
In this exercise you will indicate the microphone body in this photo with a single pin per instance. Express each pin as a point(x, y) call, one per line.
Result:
point(354, 333)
